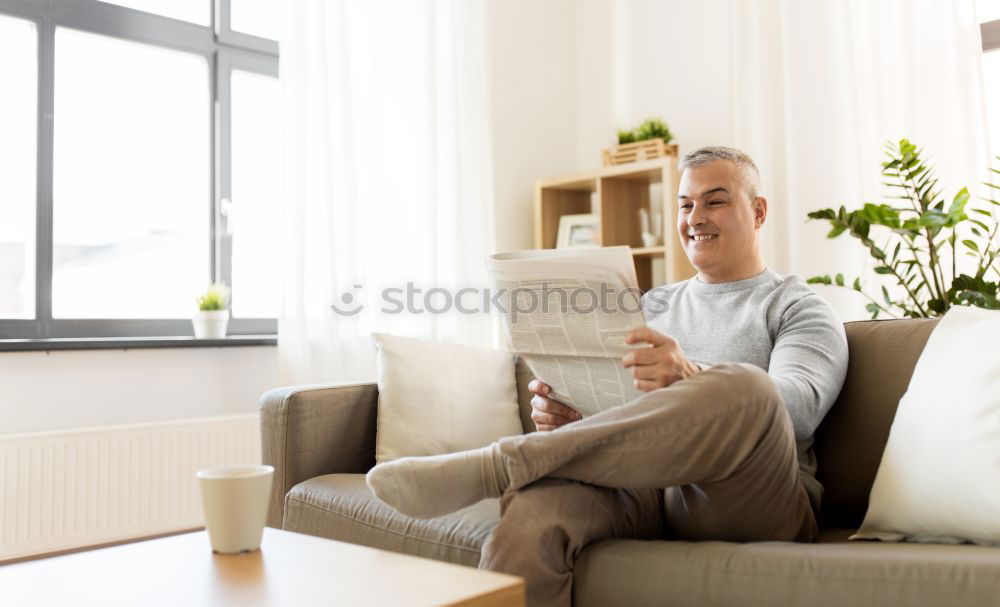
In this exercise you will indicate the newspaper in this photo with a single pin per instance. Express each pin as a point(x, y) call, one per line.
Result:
point(567, 313)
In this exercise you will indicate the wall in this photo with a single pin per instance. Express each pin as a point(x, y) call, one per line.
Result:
point(81, 388)
point(534, 106)
point(643, 58)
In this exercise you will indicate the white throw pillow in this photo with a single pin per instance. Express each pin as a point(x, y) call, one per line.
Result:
point(939, 479)
point(438, 398)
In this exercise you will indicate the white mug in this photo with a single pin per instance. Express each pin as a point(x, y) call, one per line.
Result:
point(235, 502)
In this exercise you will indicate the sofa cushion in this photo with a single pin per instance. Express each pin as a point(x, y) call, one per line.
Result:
point(340, 507)
point(850, 441)
point(439, 397)
point(945, 441)
point(860, 574)
point(630, 572)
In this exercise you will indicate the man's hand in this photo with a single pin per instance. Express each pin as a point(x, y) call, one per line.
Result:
point(660, 365)
point(549, 414)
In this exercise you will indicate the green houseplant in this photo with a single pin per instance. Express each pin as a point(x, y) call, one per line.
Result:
point(212, 317)
point(917, 241)
point(652, 128)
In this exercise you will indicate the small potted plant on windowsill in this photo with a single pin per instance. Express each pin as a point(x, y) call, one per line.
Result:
point(212, 317)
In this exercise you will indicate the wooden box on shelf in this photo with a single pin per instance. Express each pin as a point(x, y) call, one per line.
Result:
point(638, 151)
point(615, 195)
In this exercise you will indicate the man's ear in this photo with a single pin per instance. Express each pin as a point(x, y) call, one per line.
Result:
point(759, 211)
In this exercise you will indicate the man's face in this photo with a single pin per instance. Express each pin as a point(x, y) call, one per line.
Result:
point(718, 223)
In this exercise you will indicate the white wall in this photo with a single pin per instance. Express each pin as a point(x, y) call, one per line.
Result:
point(81, 388)
point(534, 106)
point(642, 58)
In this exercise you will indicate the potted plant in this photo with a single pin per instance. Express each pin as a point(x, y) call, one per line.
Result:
point(647, 141)
point(652, 128)
point(916, 242)
point(212, 317)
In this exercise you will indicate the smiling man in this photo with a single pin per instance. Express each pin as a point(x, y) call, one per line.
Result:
point(739, 367)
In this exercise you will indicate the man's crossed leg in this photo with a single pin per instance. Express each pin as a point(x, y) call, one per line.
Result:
point(710, 457)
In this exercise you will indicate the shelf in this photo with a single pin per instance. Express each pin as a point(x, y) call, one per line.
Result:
point(617, 195)
point(649, 171)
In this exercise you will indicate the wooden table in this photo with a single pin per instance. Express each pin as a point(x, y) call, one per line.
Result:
point(290, 569)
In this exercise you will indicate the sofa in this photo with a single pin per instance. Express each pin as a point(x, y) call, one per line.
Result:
point(321, 440)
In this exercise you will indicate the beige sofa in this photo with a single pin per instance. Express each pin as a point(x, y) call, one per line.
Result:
point(321, 440)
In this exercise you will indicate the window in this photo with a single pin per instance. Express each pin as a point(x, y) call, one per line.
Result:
point(18, 117)
point(139, 163)
point(253, 214)
point(989, 16)
point(256, 17)
point(195, 11)
point(131, 179)
point(991, 78)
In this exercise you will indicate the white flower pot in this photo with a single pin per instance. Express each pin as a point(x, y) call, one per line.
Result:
point(210, 324)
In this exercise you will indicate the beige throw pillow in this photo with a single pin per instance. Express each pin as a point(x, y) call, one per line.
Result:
point(939, 479)
point(438, 398)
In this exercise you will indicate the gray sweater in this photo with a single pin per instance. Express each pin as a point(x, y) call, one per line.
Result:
point(776, 323)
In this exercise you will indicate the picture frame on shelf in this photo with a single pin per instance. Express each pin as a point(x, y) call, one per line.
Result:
point(578, 231)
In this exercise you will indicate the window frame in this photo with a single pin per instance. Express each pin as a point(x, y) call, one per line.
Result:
point(990, 35)
point(224, 50)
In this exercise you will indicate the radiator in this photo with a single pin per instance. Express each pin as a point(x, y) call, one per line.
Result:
point(75, 488)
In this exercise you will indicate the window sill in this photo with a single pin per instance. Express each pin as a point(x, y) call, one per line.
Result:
point(128, 343)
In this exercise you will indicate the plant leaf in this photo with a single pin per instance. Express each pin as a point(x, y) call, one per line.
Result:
point(956, 212)
point(823, 214)
point(933, 219)
point(980, 224)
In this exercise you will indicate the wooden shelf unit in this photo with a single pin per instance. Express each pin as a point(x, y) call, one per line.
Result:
point(615, 194)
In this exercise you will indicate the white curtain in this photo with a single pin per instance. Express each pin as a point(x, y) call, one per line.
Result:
point(819, 87)
point(387, 177)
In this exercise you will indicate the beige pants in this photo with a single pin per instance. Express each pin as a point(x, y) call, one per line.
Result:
point(721, 443)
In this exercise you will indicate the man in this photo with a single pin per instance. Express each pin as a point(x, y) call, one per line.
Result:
point(716, 449)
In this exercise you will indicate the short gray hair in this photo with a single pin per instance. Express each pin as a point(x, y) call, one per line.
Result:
point(703, 156)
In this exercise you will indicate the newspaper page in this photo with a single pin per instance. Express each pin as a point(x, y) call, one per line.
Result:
point(567, 313)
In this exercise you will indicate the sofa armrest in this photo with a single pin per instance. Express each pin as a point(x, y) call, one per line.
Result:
point(309, 431)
